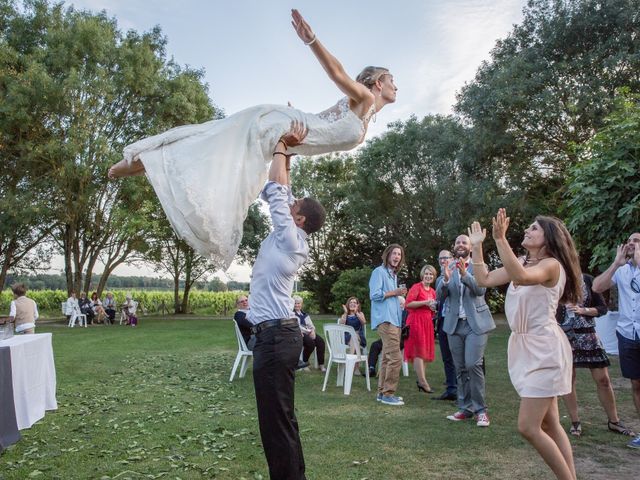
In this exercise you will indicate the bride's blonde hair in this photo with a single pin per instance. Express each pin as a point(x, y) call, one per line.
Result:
point(370, 75)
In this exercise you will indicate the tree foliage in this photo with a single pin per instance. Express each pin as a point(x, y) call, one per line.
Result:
point(603, 195)
point(78, 90)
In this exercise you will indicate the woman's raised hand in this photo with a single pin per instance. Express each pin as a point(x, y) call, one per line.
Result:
point(477, 234)
point(302, 27)
point(500, 224)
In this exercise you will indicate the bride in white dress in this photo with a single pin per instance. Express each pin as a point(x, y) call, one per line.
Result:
point(207, 175)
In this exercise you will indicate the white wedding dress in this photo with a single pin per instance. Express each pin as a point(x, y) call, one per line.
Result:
point(207, 175)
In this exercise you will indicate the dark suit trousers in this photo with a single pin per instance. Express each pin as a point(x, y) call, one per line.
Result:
point(275, 357)
point(447, 360)
point(310, 344)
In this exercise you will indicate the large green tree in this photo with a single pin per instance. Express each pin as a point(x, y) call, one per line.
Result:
point(603, 195)
point(547, 88)
point(93, 90)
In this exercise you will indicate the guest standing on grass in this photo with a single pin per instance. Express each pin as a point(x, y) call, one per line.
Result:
point(420, 346)
point(451, 392)
point(624, 272)
point(539, 354)
point(578, 323)
point(278, 338)
point(386, 317)
point(467, 322)
point(23, 311)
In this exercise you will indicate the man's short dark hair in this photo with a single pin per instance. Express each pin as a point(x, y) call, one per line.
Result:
point(314, 214)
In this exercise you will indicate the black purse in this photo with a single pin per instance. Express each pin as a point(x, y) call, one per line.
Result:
point(404, 333)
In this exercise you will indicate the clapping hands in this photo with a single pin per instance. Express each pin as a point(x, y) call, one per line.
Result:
point(500, 224)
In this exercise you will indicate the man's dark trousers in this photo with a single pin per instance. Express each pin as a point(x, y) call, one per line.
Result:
point(447, 360)
point(275, 357)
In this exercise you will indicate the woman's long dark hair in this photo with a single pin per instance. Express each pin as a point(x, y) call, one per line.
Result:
point(559, 245)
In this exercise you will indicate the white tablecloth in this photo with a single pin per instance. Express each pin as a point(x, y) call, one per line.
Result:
point(33, 377)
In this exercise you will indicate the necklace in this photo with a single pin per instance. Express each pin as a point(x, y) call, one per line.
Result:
point(532, 261)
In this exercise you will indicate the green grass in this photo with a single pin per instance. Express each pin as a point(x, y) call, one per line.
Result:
point(155, 402)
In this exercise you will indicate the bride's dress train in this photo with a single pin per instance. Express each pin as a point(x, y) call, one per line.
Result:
point(207, 175)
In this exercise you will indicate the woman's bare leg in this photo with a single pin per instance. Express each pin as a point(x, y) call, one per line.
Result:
point(605, 393)
point(571, 400)
point(539, 424)
point(418, 366)
point(126, 169)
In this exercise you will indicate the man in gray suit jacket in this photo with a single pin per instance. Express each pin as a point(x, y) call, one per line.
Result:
point(467, 322)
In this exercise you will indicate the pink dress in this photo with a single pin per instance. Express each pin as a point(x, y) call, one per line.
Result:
point(539, 354)
point(421, 342)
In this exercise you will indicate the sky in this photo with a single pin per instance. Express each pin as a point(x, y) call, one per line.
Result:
point(251, 54)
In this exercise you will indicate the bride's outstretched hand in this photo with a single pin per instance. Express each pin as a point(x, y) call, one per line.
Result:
point(302, 27)
point(500, 224)
point(477, 234)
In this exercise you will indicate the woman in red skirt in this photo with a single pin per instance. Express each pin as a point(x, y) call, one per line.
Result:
point(420, 346)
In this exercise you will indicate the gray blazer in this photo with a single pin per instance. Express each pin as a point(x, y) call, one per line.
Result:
point(478, 314)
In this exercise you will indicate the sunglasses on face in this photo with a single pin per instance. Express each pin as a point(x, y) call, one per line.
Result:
point(635, 286)
point(444, 258)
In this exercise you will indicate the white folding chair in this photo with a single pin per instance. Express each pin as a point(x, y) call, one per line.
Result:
point(81, 317)
point(243, 354)
point(338, 353)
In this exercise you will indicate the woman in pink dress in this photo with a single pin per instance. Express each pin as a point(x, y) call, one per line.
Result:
point(539, 354)
point(420, 346)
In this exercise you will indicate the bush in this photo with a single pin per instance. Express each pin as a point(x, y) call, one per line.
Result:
point(352, 283)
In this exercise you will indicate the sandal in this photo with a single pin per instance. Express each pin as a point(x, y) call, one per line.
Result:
point(576, 429)
point(618, 427)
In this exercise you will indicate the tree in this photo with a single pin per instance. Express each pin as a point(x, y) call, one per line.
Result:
point(547, 88)
point(332, 249)
point(172, 255)
point(411, 188)
point(603, 195)
point(255, 229)
point(93, 90)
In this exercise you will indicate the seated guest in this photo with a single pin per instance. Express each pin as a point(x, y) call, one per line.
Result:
point(242, 304)
point(72, 308)
point(109, 306)
point(310, 339)
point(23, 311)
point(354, 317)
point(86, 307)
point(129, 308)
point(98, 309)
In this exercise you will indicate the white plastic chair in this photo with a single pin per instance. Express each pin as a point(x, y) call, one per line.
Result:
point(365, 349)
point(338, 353)
point(73, 316)
point(243, 354)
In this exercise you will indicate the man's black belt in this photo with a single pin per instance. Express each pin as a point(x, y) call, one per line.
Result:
point(278, 322)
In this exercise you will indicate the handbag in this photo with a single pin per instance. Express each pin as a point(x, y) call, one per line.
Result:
point(404, 333)
point(568, 324)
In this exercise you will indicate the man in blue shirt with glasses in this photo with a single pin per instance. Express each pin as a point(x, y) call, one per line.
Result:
point(624, 272)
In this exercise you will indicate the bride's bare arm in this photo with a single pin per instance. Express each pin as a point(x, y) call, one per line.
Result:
point(354, 90)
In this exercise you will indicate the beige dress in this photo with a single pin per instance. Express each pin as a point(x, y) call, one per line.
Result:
point(539, 354)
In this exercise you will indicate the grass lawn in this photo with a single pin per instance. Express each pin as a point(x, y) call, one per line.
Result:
point(156, 402)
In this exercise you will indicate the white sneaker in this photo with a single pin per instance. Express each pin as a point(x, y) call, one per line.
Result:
point(483, 420)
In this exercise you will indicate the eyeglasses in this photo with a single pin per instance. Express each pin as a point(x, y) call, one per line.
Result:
point(635, 286)
point(444, 258)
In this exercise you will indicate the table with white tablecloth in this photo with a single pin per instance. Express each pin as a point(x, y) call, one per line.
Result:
point(29, 371)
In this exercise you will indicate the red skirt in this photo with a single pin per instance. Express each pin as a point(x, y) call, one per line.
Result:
point(421, 342)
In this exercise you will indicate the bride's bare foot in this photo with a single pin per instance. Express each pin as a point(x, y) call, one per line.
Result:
point(126, 169)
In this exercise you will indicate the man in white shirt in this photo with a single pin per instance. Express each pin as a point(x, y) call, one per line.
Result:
point(624, 272)
point(278, 339)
